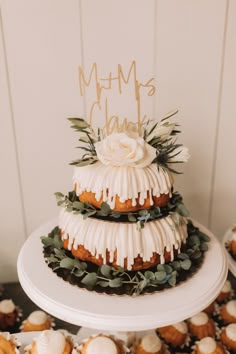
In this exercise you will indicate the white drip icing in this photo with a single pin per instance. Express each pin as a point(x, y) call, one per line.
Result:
point(50, 342)
point(231, 308)
point(102, 345)
point(207, 345)
point(181, 327)
point(151, 343)
point(231, 331)
point(37, 317)
point(97, 236)
point(126, 182)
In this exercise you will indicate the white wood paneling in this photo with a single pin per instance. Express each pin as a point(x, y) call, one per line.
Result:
point(224, 201)
point(11, 208)
point(188, 64)
point(43, 46)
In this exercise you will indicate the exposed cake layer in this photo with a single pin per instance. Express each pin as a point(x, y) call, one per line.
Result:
point(123, 241)
point(128, 183)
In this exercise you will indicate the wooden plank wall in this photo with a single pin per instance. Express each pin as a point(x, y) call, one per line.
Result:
point(189, 47)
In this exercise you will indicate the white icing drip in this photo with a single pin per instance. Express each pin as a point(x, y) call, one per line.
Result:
point(50, 342)
point(151, 343)
point(181, 327)
point(126, 182)
point(97, 236)
point(230, 331)
point(231, 308)
point(37, 317)
point(7, 306)
point(207, 345)
point(227, 287)
point(200, 319)
point(102, 345)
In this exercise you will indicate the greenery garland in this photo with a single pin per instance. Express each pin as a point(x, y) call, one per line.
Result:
point(108, 279)
point(72, 204)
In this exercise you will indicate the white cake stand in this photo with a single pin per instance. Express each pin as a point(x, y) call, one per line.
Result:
point(118, 313)
point(231, 261)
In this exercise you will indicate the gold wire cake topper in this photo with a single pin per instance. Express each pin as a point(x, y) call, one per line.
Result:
point(104, 85)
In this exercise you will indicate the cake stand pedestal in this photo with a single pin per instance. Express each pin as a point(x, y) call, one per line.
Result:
point(118, 313)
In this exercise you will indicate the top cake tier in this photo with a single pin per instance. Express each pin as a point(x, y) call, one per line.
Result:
point(130, 168)
point(124, 188)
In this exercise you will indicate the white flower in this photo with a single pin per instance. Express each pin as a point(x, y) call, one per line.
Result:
point(119, 149)
point(180, 154)
point(162, 131)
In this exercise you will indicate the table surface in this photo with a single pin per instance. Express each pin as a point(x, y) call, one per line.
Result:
point(15, 292)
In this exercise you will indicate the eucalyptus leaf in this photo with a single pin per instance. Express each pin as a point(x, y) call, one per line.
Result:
point(103, 283)
point(79, 122)
point(78, 273)
point(181, 209)
point(59, 195)
point(90, 213)
point(176, 265)
point(90, 279)
point(58, 241)
point(106, 270)
point(186, 264)
point(115, 283)
point(149, 275)
point(47, 241)
point(172, 279)
point(67, 263)
point(160, 275)
point(131, 217)
point(183, 256)
point(78, 205)
point(105, 208)
point(204, 246)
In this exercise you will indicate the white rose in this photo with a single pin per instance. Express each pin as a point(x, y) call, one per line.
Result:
point(162, 131)
point(121, 150)
point(180, 154)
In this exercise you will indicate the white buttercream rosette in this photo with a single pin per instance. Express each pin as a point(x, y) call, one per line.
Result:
point(102, 343)
point(119, 149)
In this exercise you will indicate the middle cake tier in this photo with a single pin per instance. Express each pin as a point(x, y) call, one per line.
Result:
point(122, 244)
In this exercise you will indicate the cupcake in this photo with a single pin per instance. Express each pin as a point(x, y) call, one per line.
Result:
point(8, 343)
point(175, 335)
point(210, 309)
point(8, 314)
point(232, 241)
point(150, 343)
point(228, 336)
point(228, 312)
point(50, 342)
point(37, 321)
point(208, 345)
point(201, 326)
point(101, 344)
point(225, 292)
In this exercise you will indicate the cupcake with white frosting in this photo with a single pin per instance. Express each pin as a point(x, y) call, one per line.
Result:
point(228, 336)
point(101, 343)
point(225, 292)
point(37, 321)
point(228, 312)
point(9, 314)
point(232, 241)
point(175, 334)
point(201, 326)
point(50, 342)
point(208, 345)
point(150, 343)
point(8, 343)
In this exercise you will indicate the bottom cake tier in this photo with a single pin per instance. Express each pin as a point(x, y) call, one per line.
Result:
point(178, 251)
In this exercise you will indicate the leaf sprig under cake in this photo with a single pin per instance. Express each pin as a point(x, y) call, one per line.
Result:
point(108, 279)
point(71, 203)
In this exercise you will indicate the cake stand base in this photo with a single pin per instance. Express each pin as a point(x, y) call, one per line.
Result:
point(118, 313)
